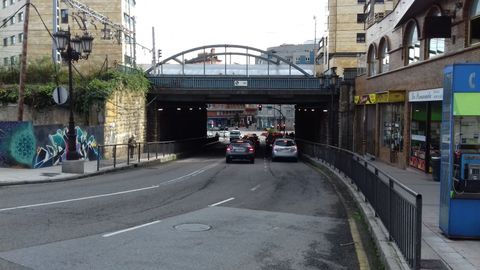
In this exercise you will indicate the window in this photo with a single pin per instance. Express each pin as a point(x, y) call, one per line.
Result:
point(5, 61)
point(360, 37)
point(372, 61)
point(412, 43)
point(64, 16)
point(20, 37)
point(4, 3)
point(391, 119)
point(13, 60)
point(436, 46)
point(384, 56)
point(12, 20)
point(5, 42)
point(20, 17)
point(13, 40)
point(475, 22)
point(360, 18)
point(12, 2)
point(361, 1)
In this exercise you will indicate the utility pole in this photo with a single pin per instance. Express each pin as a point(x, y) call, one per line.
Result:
point(154, 60)
point(23, 64)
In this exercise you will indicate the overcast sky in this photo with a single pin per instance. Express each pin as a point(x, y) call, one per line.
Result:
point(184, 24)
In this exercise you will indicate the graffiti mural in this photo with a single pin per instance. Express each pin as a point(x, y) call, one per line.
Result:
point(54, 151)
point(17, 144)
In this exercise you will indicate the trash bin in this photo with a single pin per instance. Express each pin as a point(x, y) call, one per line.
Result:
point(435, 161)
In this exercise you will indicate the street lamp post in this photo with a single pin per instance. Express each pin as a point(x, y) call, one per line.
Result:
point(329, 82)
point(71, 49)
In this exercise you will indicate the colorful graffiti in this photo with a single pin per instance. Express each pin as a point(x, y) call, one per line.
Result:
point(19, 140)
point(17, 144)
point(55, 151)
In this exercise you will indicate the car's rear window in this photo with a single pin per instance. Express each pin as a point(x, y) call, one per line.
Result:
point(234, 132)
point(284, 143)
point(241, 144)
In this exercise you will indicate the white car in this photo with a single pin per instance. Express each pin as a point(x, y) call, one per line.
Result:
point(284, 148)
point(235, 135)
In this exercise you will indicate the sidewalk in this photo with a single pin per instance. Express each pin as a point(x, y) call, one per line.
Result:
point(18, 176)
point(456, 254)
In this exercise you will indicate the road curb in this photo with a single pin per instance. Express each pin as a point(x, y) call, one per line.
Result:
point(390, 255)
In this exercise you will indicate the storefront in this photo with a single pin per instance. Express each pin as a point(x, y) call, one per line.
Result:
point(426, 117)
point(391, 120)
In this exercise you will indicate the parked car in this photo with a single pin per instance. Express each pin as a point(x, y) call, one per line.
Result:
point(240, 150)
point(235, 135)
point(284, 148)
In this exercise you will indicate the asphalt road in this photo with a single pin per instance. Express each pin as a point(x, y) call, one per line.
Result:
point(196, 213)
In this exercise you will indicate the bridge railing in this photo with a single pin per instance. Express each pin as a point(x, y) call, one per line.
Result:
point(236, 82)
point(114, 155)
point(398, 207)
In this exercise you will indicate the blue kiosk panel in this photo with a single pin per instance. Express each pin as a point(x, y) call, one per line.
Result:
point(460, 152)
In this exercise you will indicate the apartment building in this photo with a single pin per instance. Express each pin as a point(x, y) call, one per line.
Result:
point(343, 45)
point(398, 110)
point(113, 42)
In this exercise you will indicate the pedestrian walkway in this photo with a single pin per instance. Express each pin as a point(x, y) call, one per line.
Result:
point(456, 254)
point(17, 176)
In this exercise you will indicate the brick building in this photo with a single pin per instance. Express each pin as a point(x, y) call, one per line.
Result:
point(398, 100)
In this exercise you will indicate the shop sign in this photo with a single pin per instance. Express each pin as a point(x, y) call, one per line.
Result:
point(366, 99)
point(391, 96)
point(426, 95)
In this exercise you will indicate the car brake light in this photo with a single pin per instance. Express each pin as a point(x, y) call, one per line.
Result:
point(229, 149)
point(250, 149)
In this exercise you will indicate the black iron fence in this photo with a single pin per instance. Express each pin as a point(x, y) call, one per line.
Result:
point(114, 155)
point(398, 207)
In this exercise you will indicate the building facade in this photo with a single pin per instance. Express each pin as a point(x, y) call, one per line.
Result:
point(299, 54)
point(398, 101)
point(111, 45)
point(343, 44)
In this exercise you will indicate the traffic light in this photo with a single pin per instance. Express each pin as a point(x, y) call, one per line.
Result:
point(259, 107)
point(159, 53)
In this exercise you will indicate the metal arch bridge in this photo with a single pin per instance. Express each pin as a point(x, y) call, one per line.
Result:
point(204, 76)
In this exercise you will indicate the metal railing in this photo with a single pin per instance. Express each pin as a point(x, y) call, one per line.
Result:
point(398, 207)
point(114, 155)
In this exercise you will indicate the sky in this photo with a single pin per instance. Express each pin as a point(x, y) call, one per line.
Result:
point(185, 24)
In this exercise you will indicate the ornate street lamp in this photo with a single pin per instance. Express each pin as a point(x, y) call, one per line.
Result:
point(72, 49)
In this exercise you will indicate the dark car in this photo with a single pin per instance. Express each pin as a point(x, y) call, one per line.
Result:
point(253, 138)
point(240, 150)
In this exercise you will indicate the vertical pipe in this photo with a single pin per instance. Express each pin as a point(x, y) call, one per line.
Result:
point(23, 64)
point(115, 156)
point(98, 158)
point(154, 58)
point(139, 151)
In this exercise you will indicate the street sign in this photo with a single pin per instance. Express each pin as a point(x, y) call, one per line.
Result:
point(60, 95)
point(240, 83)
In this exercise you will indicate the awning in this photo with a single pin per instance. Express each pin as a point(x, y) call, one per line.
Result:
point(391, 96)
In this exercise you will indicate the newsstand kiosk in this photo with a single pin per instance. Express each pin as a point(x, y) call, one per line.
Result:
point(460, 152)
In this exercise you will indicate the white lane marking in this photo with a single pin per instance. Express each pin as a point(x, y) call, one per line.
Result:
point(224, 201)
point(130, 229)
point(255, 187)
point(197, 172)
point(78, 199)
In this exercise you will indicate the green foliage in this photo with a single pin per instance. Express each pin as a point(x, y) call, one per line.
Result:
point(43, 76)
